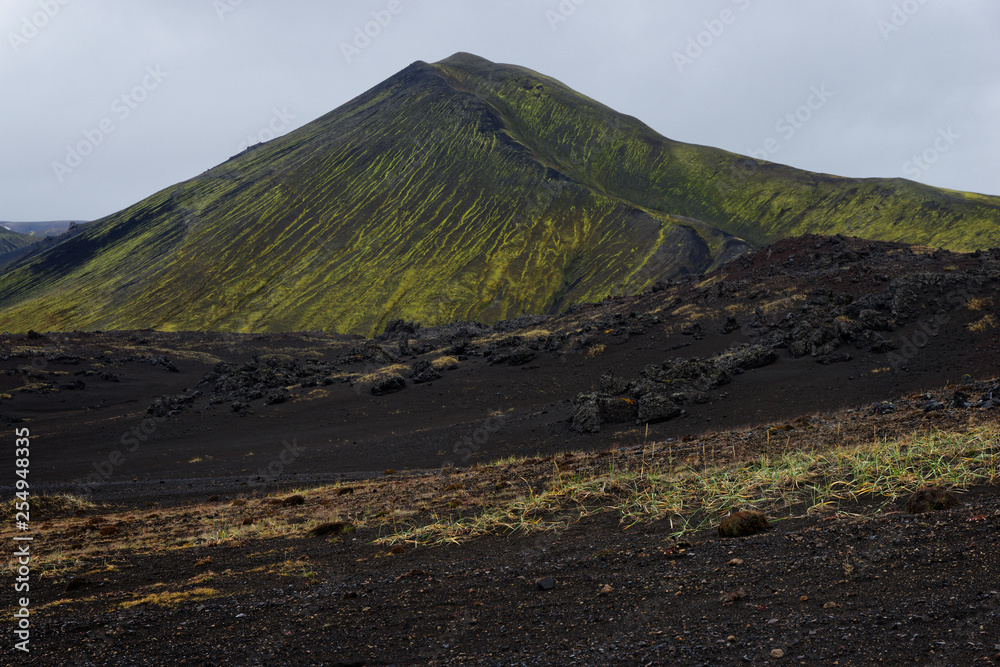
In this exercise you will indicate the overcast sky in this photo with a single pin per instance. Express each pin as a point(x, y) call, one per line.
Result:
point(147, 93)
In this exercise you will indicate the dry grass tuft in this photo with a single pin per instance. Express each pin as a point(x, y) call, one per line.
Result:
point(49, 507)
point(445, 363)
point(978, 303)
point(985, 323)
point(171, 599)
point(384, 372)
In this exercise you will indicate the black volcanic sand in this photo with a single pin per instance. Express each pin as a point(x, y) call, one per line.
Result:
point(481, 411)
point(867, 584)
point(894, 588)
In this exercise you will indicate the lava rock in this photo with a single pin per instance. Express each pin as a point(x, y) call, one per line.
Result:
point(743, 523)
point(617, 410)
point(423, 371)
point(586, 415)
point(656, 407)
point(521, 355)
point(276, 396)
point(929, 499)
point(388, 384)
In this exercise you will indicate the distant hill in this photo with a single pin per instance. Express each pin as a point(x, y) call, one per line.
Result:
point(457, 190)
point(12, 240)
point(46, 228)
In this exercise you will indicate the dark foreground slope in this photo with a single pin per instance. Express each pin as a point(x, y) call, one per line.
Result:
point(845, 589)
point(461, 190)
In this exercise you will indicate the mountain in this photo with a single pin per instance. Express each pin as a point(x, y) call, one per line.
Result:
point(45, 228)
point(12, 240)
point(456, 190)
point(14, 245)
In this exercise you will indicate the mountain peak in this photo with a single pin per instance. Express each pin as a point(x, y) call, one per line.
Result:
point(459, 190)
point(465, 59)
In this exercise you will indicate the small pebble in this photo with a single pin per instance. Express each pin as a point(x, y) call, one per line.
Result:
point(777, 653)
point(736, 561)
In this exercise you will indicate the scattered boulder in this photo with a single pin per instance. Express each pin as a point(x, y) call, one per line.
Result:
point(292, 501)
point(655, 408)
point(388, 384)
point(586, 415)
point(743, 523)
point(884, 408)
point(520, 355)
point(929, 499)
point(424, 371)
point(276, 396)
point(934, 405)
point(617, 410)
point(746, 357)
point(614, 385)
point(959, 400)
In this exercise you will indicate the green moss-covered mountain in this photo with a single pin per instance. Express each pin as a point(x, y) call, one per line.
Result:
point(457, 190)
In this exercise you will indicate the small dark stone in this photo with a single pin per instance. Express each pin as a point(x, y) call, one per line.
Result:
point(77, 583)
point(740, 524)
point(929, 499)
point(291, 501)
point(546, 583)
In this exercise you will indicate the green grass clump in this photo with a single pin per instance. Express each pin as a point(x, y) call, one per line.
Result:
point(817, 481)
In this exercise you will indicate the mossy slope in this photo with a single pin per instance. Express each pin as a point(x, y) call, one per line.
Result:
point(456, 190)
point(10, 240)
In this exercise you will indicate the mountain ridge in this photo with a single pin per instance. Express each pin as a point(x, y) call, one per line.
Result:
point(457, 190)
